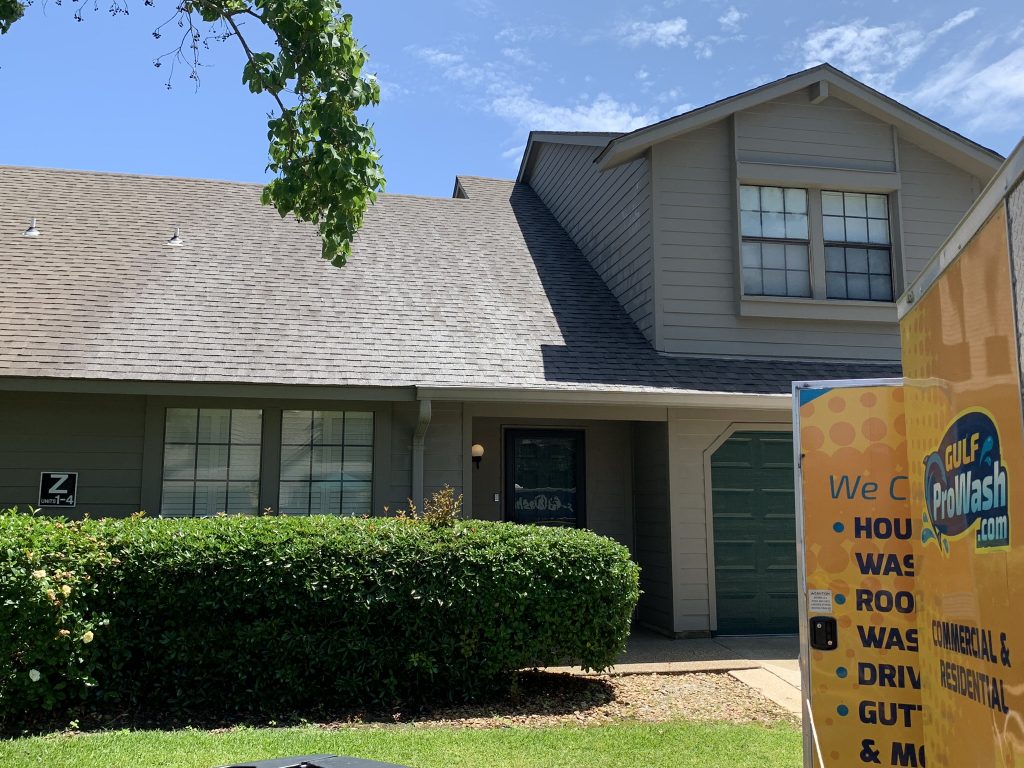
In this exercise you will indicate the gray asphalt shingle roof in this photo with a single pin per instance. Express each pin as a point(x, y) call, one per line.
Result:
point(487, 291)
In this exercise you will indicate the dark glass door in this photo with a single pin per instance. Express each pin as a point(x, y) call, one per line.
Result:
point(544, 482)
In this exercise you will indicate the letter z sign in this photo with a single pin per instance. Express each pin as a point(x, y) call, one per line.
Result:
point(58, 489)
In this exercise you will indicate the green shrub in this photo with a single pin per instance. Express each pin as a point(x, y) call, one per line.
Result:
point(50, 577)
point(229, 615)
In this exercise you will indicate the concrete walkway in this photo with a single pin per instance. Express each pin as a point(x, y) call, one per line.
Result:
point(767, 663)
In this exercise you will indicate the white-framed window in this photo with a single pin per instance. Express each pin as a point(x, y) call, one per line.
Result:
point(858, 248)
point(773, 226)
point(326, 463)
point(816, 243)
point(211, 461)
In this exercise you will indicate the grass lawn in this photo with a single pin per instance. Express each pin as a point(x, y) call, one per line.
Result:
point(648, 745)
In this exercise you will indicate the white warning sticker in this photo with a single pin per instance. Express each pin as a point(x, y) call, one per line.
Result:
point(819, 600)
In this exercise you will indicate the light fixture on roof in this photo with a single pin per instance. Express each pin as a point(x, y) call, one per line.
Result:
point(32, 231)
point(176, 238)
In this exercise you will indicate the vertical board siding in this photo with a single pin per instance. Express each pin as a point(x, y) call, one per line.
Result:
point(934, 197)
point(691, 433)
point(98, 436)
point(832, 134)
point(652, 545)
point(608, 216)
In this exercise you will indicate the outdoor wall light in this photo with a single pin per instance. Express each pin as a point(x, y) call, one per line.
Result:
point(32, 231)
point(477, 451)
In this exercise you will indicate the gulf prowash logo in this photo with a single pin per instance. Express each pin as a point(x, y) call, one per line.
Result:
point(965, 483)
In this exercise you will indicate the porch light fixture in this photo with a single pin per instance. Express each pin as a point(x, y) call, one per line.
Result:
point(176, 240)
point(32, 231)
point(477, 451)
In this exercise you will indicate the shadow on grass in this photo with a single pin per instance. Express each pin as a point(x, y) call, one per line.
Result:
point(533, 693)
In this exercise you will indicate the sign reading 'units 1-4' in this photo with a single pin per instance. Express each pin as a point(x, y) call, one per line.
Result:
point(860, 665)
point(58, 489)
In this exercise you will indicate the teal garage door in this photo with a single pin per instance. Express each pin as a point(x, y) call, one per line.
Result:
point(755, 534)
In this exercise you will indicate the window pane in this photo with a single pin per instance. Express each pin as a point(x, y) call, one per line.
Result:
point(878, 231)
point(245, 462)
point(295, 427)
point(771, 199)
point(328, 427)
point(832, 203)
point(751, 254)
point(835, 261)
point(856, 260)
point(881, 287)
point(220, 442)
point(243, 498)
point(798, 283)
point(176, 500)
point(327, 462)
point(773, 225)
point(856, 230)
point(796, 226)
point(879, 262)
point(295, 462)
point(750, 223)
point(294, 498)
point(835, 285)
point(214, 425)
point(356, 499)
point(325, 498)
point(796, 201)
point(181, 425)
point(796, 257)
point(774, 282)
point(358, 464)
point(358, 428)
point(179, 462)
point(212, 462)
point(773, 255)
point(752, 282)
point(878, 207)
point(855, 204)
point(749, 199)
point(857, 286)
point(211, 498)
point(246, 427)
point(834, 229)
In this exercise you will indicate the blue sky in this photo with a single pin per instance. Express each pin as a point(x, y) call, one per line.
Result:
point(465, 80)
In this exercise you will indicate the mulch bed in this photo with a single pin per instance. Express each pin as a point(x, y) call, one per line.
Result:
point(540, 699)
point(546, 699)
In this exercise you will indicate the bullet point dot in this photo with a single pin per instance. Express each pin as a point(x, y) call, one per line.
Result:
point(843, 710)
point(838, 527)
point(841, 672)
point(840, 599)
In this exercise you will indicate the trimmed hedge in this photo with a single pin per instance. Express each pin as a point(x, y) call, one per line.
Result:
point(234, 615)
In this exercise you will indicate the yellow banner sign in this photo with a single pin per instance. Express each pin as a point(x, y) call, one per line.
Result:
point(967, 472)
point(860, 661)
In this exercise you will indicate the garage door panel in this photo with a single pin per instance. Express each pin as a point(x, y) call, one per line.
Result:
point(753, 508)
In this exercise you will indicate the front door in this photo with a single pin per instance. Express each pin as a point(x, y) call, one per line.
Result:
point(544, 482)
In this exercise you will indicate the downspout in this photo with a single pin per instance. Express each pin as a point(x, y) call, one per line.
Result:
point(418, 439)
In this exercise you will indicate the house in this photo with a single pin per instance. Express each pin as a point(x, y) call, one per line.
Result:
point(607, 341)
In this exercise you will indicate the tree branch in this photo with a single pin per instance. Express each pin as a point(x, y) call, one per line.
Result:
point(248, 53)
